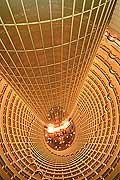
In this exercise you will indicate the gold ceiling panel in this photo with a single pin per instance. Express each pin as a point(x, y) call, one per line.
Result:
point(95, 152)
point(47, 47)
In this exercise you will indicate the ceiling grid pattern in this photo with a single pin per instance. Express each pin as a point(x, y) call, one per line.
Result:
point(46, 47)
point(59, 54)
point(95, 151)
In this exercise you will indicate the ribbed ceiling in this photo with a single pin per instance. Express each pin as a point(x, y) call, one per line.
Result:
point(48, 46)
point(95, 151)
point(47, 59)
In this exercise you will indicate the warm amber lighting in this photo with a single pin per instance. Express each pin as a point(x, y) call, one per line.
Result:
point(60, 135)
point(59, 90)
point(52, 128)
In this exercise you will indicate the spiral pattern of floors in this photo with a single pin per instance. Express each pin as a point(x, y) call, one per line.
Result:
point(95, 152)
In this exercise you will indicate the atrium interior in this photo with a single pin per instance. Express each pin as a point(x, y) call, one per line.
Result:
point(60, 90)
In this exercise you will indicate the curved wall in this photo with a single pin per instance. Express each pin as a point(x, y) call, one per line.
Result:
point(47, 48)
point(95, 152)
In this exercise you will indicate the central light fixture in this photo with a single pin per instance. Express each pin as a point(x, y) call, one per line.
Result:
point(60, 133)
point(52, 128)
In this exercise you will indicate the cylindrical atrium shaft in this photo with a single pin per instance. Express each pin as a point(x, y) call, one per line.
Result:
point(48, 47)
point(59, 90)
